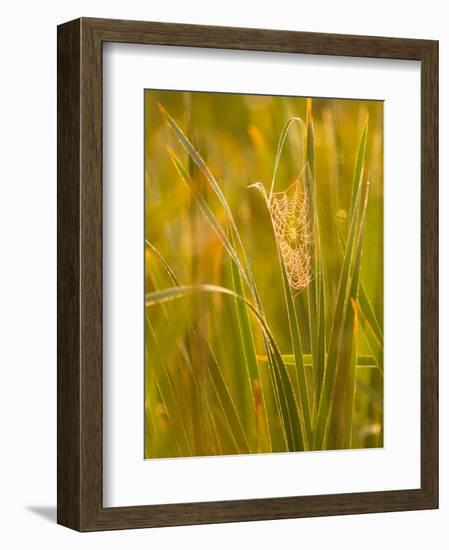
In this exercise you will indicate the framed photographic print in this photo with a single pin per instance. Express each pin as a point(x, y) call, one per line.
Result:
point(247, 274)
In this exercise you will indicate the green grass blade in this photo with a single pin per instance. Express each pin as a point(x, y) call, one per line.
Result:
point(374, 332)
point(359, 164)
point(244, 271)
point(248, 347)
point(343, 412)
point(316, 289)
point(280, 147)
point(303, 404)
point(312, 289)
point(339, 325)
point(237, 266)
point(195, 156)
point(364, 303)
point(246, 333)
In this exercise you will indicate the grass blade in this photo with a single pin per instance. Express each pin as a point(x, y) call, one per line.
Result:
point(238, 272)
point(316, 290)
point(346, 378)
point(340, 333)
point(249, 351)
point(304, 405)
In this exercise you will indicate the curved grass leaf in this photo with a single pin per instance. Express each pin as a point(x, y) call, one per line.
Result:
point(280, 148)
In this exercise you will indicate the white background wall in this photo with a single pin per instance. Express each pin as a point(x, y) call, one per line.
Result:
point(28, 273)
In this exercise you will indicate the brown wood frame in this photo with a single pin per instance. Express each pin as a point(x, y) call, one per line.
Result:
point(80, 274)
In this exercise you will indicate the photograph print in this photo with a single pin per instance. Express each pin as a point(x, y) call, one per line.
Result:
point(263, 250)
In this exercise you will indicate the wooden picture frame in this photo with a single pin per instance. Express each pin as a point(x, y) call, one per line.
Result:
point(80, 503)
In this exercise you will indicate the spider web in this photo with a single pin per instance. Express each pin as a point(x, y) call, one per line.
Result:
point(290, 216)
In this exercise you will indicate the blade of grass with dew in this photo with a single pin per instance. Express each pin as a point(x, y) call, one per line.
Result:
point(198, 160)
point(182, 138)
point(249, 349)
point(246, 273)
point(325, 406)
point(338, 386)
point(362, 310)
point(312, 289)
point(359, 166)
point(239, 273)
point(366, 308)
point(343, 411)
point(317, 288)
point(286, 394)
point(343, 403)
point(368, 321)
point(304, 406)
point(366, 311)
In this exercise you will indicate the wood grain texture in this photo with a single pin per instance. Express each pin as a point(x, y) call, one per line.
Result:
point(68, 317)
point(80, 274)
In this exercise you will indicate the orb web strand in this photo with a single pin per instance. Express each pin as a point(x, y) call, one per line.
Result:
point(290, 216)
